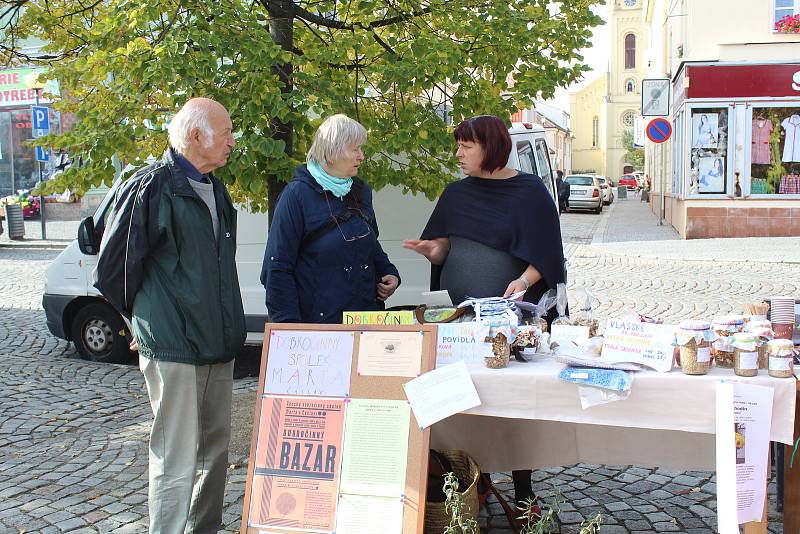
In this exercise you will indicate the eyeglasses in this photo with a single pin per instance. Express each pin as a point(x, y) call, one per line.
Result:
point(347, 218)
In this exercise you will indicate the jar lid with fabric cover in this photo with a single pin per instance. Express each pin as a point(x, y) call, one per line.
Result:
point(745, 340)
point(727, 320)
point(780, 347)
point(694, 329)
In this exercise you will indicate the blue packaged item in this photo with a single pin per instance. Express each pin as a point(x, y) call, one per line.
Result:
point(602, 378)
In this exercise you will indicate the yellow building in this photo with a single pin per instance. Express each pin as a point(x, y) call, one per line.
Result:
point(604, 109)
point(732, 166)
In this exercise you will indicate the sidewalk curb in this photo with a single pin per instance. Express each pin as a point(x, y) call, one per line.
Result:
point(599, 235)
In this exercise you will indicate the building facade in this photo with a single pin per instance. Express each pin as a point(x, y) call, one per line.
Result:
point(18, 166)
point(732, 167)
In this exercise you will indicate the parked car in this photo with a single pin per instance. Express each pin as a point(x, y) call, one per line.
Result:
point(629, 181)
point(605, 189)
point(584, 192)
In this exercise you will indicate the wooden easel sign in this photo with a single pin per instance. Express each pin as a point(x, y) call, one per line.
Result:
point(335, 446)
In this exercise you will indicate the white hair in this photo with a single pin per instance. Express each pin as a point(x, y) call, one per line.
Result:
point(182, 124)
point(336, 134)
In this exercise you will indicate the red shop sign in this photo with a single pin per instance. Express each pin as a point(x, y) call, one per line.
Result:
point(743, 81)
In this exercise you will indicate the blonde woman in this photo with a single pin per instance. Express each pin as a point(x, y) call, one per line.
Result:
point(323, 255)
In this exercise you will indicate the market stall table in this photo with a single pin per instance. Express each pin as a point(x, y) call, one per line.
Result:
point(533, 419)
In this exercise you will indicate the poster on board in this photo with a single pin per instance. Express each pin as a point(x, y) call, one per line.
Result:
point(297, 465)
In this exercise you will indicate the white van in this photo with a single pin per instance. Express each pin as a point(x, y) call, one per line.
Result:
point(77, 312)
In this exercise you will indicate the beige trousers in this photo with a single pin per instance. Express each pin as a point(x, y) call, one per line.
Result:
point(188, 444)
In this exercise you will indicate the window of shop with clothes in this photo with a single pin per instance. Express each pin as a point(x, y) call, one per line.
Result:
point(19, 169)
point(768, 137)
point(774, 155)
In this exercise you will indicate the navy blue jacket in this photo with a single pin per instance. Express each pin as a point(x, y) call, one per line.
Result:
point(315, 281)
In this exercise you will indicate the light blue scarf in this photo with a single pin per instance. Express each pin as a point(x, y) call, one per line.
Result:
point(338, 186)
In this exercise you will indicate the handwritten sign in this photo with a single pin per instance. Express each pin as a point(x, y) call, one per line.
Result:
point(643, 343)
point(462, 341)
point(378, 317)
point(309, 363)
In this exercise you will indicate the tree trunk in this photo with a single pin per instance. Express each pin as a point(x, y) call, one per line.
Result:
point(281, 31)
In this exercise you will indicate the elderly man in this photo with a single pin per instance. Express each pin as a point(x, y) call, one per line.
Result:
point(167, 263)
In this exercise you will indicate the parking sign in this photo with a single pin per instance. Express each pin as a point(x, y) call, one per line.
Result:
point(42, 153)
point(40, 117)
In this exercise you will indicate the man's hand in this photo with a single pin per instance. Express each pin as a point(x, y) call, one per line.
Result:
point(134, 346)
point(386, 286)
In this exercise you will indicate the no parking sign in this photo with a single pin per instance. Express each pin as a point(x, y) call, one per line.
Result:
point(658, 130)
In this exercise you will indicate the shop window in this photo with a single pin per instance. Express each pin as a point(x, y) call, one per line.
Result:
point(786, 8)
point(6, 173)
point(775, 151)
point(630, 51)
point(709, 153)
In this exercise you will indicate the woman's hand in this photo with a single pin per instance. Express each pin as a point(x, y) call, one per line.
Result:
point(434, 249)
point(133, 346)
point(387, 285)
point(515, 286)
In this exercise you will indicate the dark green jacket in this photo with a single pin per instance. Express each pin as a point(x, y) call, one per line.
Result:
point(160, 266)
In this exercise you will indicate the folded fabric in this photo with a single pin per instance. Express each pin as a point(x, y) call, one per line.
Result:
point(602, 378)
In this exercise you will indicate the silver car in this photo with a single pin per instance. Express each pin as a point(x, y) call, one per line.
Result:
point(606, 189)
point(584, 192)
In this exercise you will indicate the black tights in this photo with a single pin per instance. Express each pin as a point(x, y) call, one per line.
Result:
point(522, 485)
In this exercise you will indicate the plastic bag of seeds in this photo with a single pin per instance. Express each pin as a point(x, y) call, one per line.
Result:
point(562, 301)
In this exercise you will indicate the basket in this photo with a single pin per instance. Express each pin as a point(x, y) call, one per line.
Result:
point(466, 469)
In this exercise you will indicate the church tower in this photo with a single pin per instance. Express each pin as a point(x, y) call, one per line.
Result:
point(626, 69)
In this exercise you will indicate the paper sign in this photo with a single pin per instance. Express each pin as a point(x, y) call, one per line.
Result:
point(390, 353)
point(360, 513)
point(643, 343)
point(378, 317)
point(462, 342)
point(309, 363)
point(296, 476)
point(441, 393)
point(375, 448)
point(744, 418)
point(569, 335)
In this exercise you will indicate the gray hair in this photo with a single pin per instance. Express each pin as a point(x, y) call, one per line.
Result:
point(335, 135)
point(189, 117)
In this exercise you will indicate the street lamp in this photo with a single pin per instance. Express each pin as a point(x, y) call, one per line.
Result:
point(33, 82)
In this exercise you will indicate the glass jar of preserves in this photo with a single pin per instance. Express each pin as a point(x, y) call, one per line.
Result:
point(781, 358)
point(723, 329)
point(694, 339)
point(745, 354)
point(764, 334)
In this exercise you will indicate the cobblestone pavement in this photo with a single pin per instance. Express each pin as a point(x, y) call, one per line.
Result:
point(73, 434)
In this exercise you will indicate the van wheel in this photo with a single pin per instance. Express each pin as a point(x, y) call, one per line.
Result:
point(99, 334)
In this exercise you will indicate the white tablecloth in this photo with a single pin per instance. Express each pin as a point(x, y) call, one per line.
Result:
point(531, 418)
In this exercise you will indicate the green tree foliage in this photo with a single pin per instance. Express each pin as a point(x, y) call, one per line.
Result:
point(279, 65)
point(634, 155)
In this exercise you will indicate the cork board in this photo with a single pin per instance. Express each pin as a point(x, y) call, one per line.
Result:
point(265, 433)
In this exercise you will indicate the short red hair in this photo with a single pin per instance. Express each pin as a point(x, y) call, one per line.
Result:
point(492, 134)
